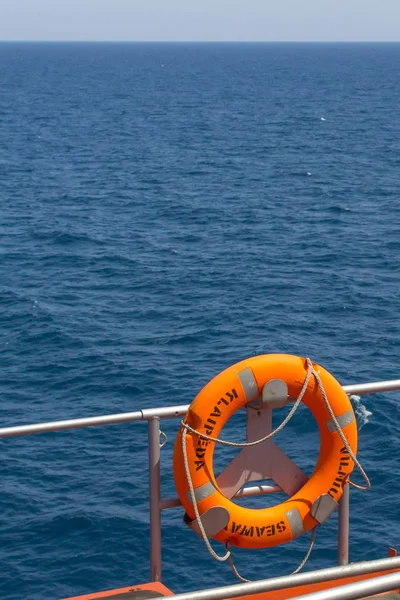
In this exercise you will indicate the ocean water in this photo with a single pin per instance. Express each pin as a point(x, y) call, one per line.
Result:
point(165, 211)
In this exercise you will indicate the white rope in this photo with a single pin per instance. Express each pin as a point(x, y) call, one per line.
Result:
point(341, 434)
point(232, 565)
point(307, 556)
point(279, 428)
point(194, 502)
point(186, 428)
point(299, 568)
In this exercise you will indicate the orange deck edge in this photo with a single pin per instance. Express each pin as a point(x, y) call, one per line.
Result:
point(285, 594)
point(154, 587)
point(314, 587)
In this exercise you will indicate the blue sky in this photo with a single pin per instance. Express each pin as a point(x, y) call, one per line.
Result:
point(201, 20)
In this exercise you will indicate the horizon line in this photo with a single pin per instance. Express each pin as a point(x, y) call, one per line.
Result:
point(97, 41)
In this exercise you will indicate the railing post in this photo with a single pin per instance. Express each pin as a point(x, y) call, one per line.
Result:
point(155, 496)
point(343, 534)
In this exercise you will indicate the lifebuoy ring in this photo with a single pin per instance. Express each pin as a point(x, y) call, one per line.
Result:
point(211, 409)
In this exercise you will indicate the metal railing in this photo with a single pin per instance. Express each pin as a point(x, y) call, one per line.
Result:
point(320, 576)
point(168, 412)
point(157, 504)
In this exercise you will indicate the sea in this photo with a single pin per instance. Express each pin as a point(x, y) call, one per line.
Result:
point(167, 210)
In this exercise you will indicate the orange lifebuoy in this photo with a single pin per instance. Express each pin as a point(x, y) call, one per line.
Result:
point(211, 409)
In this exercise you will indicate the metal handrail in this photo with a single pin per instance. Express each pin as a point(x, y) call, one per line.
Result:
point(291, 581)
point(152, 416)
point(245, 492)
point(358, 589)
point(169, 412)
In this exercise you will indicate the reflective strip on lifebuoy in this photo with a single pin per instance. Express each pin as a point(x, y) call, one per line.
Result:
point(211, 409)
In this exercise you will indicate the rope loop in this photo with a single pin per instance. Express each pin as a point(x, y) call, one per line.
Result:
point(164, 439)
point(341, 434)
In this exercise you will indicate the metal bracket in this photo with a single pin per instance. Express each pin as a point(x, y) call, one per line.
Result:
point(274, 395)
point(323, 507)
point(265, 460)
point(213, 520)
point(165, 439)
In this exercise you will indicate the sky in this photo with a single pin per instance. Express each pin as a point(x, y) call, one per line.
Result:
point(200, 20)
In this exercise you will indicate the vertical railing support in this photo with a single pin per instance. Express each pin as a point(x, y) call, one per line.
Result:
point(343, 534)
point(155, 496)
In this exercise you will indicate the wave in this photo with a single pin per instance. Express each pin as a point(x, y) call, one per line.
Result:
point(362, 413)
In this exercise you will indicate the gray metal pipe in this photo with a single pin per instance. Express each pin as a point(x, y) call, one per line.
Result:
point(70, 424)
point(254, 490)
point(372, 388)
point(169, 412)
point(357, 590)
point(290, 581)
point(154, 493)
point(344, 526)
